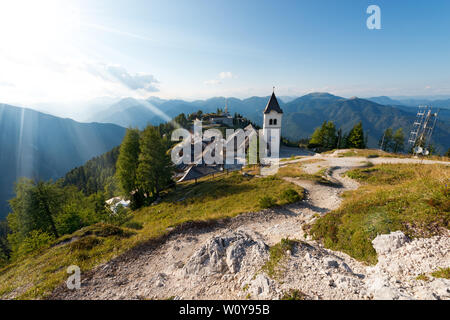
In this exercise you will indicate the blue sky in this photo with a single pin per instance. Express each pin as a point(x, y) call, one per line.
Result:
point(61, 51)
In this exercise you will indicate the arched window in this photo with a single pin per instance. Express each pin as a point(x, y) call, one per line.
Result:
point(270, 122)
point(275, 121)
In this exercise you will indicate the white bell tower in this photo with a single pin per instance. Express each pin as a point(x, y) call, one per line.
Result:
point(272, 124)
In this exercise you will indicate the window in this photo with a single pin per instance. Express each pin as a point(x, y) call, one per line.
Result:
point(270, 122)
point(275, 121)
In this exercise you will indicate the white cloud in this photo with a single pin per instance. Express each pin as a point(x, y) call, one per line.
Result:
point(27, 81)
point(221, 76)
point(225, 75)
point(212, 82)
point(117, 73)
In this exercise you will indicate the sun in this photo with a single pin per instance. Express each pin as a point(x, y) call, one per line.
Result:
point(36, 25)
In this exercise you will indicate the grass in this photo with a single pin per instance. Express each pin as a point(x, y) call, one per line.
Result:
point(413, 198)
point(422, 277)
point(442, 273)
point(294, 294)
point(277, 254)
point(291, 158)
point(212, 198)
point(295, 171)
point(375, 153)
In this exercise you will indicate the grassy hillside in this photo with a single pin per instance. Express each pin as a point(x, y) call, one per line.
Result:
point(212, 198)
point(381, 206)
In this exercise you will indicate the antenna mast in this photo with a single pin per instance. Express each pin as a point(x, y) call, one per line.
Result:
point(423, 127)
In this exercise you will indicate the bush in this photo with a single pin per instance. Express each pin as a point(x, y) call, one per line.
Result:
point(133, 225)
point(68, 221)
point(267, 202)
point(442, 273)
point(291, 196)
point(86, 243)
point(35, 241)
point(108, 230)
point(277, 254)
point(294, 294)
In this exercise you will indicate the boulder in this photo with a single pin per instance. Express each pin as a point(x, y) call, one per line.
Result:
point(226, 254)
point(385, 243)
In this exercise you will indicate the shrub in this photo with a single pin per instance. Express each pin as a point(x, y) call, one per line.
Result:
point(277, 254)
point(133, 225)
point(86, 243)
point(108, 230)
point(422, 277)
point(267, 202)
point(291, 196)
point(69, 221)
point(442, 273)
point(35, 241)
point(293, 294)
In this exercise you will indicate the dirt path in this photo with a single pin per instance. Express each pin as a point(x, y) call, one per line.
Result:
point(224, 261)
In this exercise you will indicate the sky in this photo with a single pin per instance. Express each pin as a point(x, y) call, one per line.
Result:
point(54, 51)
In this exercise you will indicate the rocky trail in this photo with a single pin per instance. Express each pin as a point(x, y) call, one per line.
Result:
point(224, 260)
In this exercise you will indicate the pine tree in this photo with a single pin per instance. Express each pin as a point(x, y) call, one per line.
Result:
point(127, 161)
point(329, 137)
point(386, 140)
point(317, 137)
point(398, 140)
point(155, 168)
point(324, 137)
point(355, 138)
point(35, 207)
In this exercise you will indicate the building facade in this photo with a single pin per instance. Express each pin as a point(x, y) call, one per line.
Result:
point(273, 116)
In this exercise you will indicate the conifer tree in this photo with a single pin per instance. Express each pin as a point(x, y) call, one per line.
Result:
point(127, 161)
point(155, 168)
point(398, 140)
point(355, 138)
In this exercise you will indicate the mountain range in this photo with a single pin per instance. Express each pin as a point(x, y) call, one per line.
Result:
point(301, 115)
point(41, 146)
point(412, 102)
point(38, 145)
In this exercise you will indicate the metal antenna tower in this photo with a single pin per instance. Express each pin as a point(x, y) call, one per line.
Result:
point(422, 130)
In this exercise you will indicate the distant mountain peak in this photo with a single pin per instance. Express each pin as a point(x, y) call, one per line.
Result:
point(321, 95)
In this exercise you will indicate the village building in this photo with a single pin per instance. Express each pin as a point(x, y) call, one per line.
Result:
point(272, 124)
point(273, 115)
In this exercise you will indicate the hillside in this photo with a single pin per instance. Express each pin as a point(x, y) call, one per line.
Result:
point(41, 146)
point(306, 113)
point(188, 247)
point(139, 113)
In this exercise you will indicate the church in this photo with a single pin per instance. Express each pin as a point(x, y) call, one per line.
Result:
point(273, 115)
point(272, 124)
